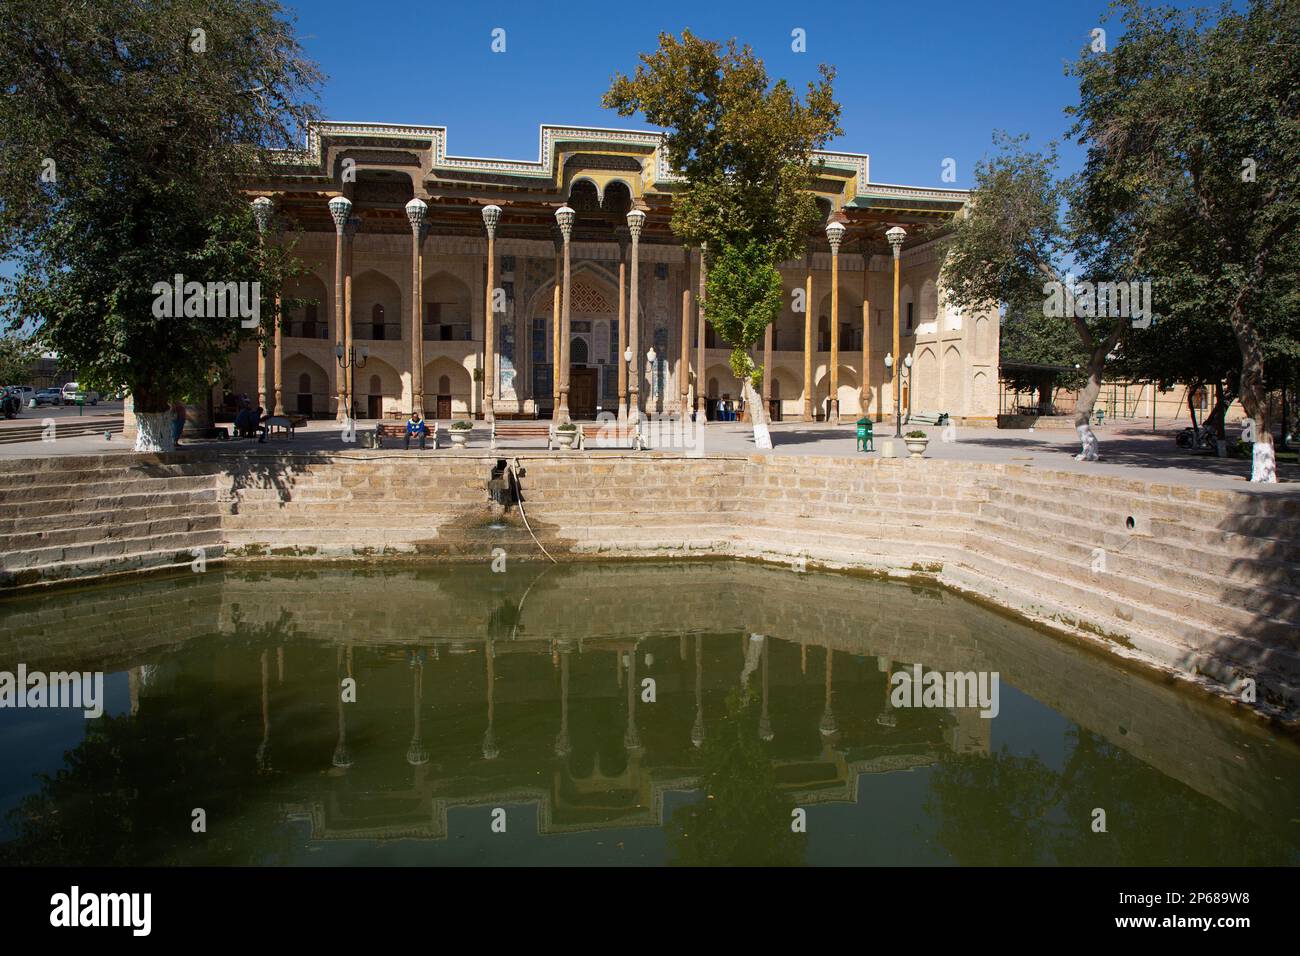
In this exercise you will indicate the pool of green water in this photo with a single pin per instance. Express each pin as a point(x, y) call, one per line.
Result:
point(640, 714)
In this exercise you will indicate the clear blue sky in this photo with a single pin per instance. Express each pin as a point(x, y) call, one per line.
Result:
point(919, 81)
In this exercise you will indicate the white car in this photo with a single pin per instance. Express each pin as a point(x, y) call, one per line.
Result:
point(73, 393)
point(24, 392)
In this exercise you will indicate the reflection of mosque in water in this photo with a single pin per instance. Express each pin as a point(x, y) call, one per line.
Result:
point(477, 689)
point(592, 755)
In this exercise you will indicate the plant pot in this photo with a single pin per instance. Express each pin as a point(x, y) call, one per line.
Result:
point(459, 436)
point(916, 446)
point(566, 438)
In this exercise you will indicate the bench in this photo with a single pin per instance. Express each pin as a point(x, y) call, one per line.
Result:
point(284, 423)
point(611, 434)
point(521, 431)
point(397, 432)
point(927, 418)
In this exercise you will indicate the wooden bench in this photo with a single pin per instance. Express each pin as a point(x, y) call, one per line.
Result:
point(610, 434)
point(284, 423)
point(521, 431)
point(397, 432)
point(927, 418)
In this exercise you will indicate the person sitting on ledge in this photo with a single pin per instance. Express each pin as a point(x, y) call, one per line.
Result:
point(416, 426)
point(249, 423)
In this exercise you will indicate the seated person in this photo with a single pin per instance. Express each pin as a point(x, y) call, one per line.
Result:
point(415, 426)
point(249, 423)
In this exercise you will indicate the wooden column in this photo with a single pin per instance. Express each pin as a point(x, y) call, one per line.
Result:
point(262, 209)
point(340, 209)
point(684, 368)
point(635, 221)
point(896, 236)
point(349, 386)
point(622, 327)
point(564, 216)
point(834, 235)
point(808, 315)
point(700, 377)
point(491, 214)
point(865, 376)
point(416, 210)
point(556, 320)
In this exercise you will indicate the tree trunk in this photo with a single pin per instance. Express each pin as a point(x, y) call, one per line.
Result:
point(1223, 397)
point(1191, 411)
point(153, 431)
point(1254, 395)
point(757, 414)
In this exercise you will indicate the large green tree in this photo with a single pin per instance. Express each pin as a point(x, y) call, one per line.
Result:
point(1014, 247)
point(126, 130)
point(1192, 128)
point(743, 146)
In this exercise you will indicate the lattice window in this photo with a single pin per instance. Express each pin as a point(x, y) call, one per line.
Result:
point(588, 298)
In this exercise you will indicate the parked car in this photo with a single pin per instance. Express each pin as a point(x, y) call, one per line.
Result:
point(74, 393)
point(25, 393)
point(49, 396)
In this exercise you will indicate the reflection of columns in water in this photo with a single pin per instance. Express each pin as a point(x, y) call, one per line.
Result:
point(887, 717)
point(416, 754)
point(697, 729)
point(342, 758)
point(263, 748)
point(133, 689)
point(631, 737)
point(828, 726)
point(562, 746)
point(490, 751)
point(279, 665)
point(764, 722)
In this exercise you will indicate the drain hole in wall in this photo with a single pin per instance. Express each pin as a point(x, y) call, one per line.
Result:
point(1130, 523)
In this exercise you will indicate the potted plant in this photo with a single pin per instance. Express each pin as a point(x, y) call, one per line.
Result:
point(565, 434)
point(916, 442)
point(459, 431)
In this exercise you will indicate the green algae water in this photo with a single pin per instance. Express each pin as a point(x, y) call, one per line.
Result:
point(689, 713)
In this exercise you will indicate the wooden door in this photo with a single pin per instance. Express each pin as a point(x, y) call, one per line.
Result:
point(582, 394)
point(444, 408)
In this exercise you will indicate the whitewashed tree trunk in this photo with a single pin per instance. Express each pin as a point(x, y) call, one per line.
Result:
point(1263, 463)
point(1089, 446)
point(757, 415)
point(153, 431)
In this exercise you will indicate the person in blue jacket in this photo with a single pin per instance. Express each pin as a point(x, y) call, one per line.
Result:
point(415, 426)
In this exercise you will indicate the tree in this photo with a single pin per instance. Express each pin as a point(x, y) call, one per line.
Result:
point(1031, 338)
point(18, 354)
point(1193, 132)
point(137, 124)
point(743, 146)
point(1011, 248)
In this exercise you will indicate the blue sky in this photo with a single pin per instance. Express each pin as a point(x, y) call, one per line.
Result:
point(919, 81)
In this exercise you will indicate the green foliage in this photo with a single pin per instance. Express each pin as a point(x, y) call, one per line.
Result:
point(743, 296)
point(150, 140)
point(743, 820)
point(743, 143)
point(1029, 336)
point(1193, 177)
point(18, 353)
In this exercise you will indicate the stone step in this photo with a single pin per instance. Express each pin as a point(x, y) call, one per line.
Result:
point(1211, 611)
point(106, 566)
point(1168, 641)
point(204, 499)
point(146, 526)
point(102, 489)
point(1146, 556)
point(37, 558)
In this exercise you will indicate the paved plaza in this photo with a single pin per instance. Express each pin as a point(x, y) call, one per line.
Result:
point(1128, 450)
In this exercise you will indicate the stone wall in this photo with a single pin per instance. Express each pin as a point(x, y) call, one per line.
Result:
point(1202, 584)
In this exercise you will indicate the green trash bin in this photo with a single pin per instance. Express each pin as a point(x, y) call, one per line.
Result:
point(865, 435)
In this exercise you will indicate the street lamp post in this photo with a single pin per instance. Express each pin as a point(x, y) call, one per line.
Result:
point(650, 358)
point(349, 358)
point(896, 236)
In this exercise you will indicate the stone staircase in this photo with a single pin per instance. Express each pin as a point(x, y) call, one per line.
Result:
point(33, 428)
point(63, 518)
